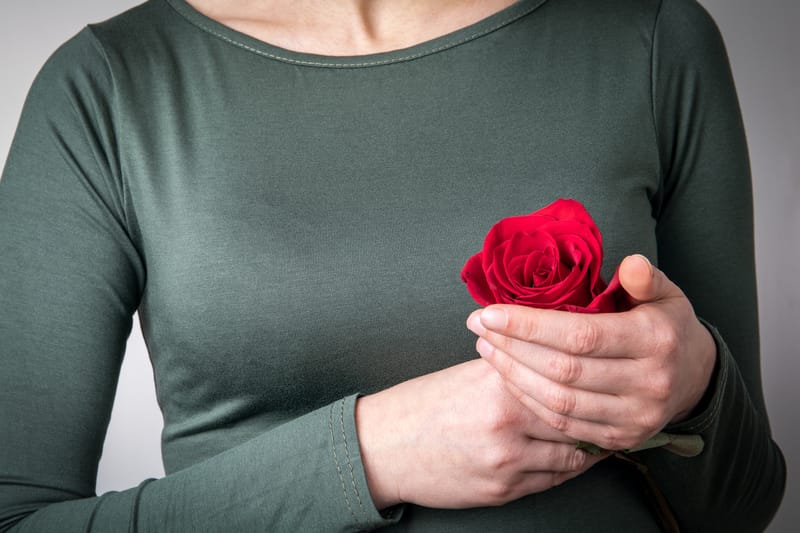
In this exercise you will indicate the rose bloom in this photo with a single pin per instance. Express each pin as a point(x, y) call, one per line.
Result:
point(548, 259)
point(551, 259)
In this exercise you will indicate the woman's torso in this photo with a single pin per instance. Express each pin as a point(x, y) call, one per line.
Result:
point(304, 218)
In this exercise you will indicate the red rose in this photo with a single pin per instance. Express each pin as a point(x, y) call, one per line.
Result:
point(549, 259)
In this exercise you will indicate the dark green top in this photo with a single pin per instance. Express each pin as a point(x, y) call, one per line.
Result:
point(291, 228)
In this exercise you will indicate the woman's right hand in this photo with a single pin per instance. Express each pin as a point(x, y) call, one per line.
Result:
point(458, 438)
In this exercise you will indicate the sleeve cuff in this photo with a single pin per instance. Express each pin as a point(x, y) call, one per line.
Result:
point(712, 400)
point(346, 455)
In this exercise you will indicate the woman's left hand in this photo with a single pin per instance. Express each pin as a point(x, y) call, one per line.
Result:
point(612, 379)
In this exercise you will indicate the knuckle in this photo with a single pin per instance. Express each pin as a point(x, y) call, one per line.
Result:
point(661, 386)
point(575, 460)
point(583, 337)
point(526, 328)
point(611, 439)
point(651, 424)
point(499, 417)
point(560, 401)
point(663, 337)
point(566, 369)
point(498, 458)
point(668, 340)
point(648, 422)
point(559, 422)
point(499, 492)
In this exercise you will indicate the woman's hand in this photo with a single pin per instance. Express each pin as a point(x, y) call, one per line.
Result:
point(458, 438)
point(610, 379)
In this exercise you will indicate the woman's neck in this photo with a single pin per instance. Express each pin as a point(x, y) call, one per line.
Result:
point(347, 27)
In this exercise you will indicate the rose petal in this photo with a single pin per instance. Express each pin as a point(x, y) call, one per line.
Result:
point(541, 268)
point(571, 291)
point(566, 209)
point(574, 289)
point(569, 209)
point(500, 276)
point(507, 228)
point(517, 270)
point(584, 250)
point(500, 294)
point(472, 274)
point(613, 299)
point(524, 246)
point(550, 258)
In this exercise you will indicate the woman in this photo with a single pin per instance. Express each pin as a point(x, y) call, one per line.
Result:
point(287, 197)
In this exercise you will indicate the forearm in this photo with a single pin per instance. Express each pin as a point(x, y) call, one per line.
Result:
point(737, 483)
point(305, 475)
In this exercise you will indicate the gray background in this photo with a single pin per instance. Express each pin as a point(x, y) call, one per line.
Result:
point(763, 47)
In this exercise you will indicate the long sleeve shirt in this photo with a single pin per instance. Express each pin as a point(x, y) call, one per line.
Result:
point(291, 229)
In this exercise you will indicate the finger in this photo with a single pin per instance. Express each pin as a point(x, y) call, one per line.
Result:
point(562, 477)
point(643, 282)
point(541, 481)
point(538, 480)
point(534, 427)
point(605, 436)
point(606, 335)
point(615, 375)
point(559, 399)
point(545, 456)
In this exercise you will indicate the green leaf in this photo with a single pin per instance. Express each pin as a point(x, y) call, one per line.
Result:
point(588, 447)
point(682, 445)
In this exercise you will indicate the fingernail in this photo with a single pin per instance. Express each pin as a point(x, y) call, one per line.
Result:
point(493, 318)
point(474, 323)
point(484, 347)
point(646, 262)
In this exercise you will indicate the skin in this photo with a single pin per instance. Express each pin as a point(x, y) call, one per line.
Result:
point(459, 437)
point(505, 425)
point(612, 379)
point(347, 27)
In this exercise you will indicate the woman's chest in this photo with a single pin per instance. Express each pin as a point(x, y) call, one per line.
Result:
point(304, 235)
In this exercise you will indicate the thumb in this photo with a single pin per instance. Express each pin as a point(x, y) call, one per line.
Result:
point(643, 282)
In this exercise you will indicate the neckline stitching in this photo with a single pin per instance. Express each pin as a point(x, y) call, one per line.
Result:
point(355, 64)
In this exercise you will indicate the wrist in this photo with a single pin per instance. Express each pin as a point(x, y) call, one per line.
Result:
point(372, 413)
point(706, 357)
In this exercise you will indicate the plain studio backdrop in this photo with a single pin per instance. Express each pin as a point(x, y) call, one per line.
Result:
point(763, 47)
